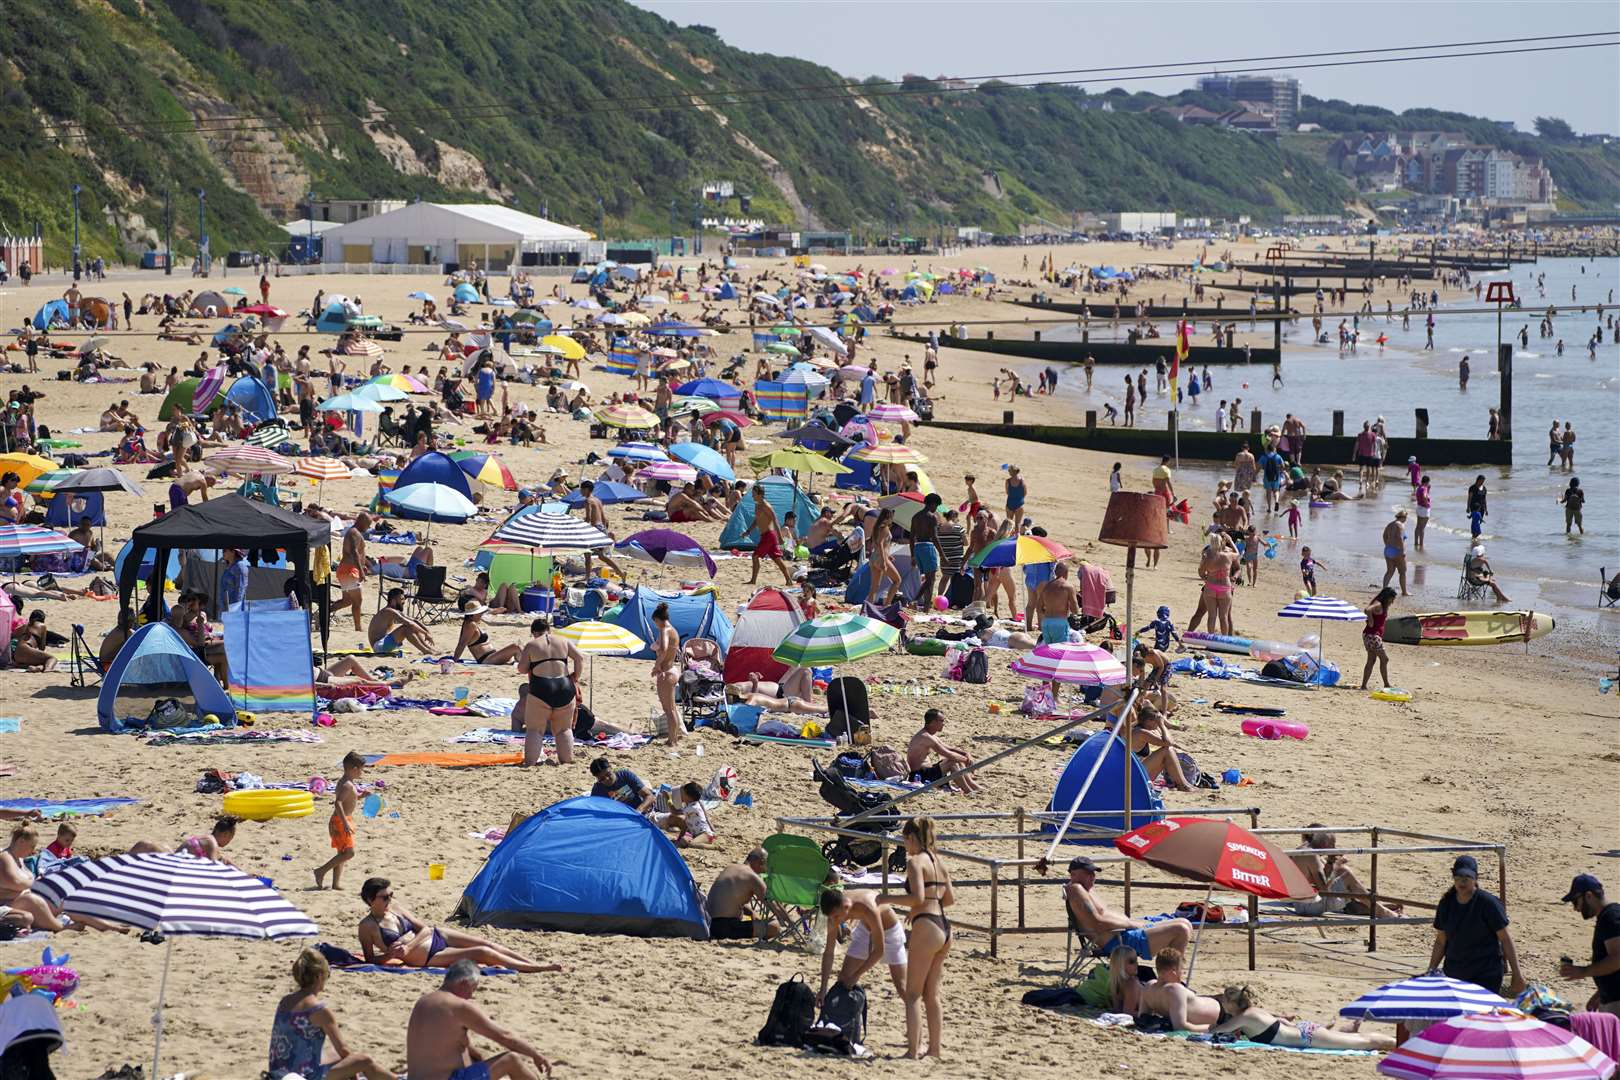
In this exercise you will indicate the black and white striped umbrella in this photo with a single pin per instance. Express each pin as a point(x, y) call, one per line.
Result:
point(174, 894)
point(557, 532)
point(269, 435)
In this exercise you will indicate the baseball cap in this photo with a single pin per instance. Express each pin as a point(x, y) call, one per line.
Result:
point(1465, 866)
point(1583, 883)
point(1082, 862)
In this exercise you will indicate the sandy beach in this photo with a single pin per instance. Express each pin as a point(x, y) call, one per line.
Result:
point(1508, 745)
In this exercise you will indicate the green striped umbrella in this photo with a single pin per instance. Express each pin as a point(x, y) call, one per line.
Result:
point(835, 639)
point(47, 480)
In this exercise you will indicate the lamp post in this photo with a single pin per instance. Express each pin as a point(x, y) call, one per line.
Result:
point(202, 232)
point(309, 244)
point(168, 234)
point(76, 189)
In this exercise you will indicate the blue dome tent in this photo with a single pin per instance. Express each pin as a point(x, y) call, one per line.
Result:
point(692, 616)
point(435, 468)
point(253, 398)
point(157, 655)
point(586, 865)
point(49, 312)
point(1107, 790)
point(783, 495)
point(60, 514)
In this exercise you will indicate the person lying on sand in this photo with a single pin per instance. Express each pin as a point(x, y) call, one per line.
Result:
point(1243, 1016)
point(794, 694)
point(208, 847)
point(348, 668)
point(394, 937)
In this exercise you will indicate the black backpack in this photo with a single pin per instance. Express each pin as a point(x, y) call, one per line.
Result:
point(792, 1013)
point(842, 1025)
point(976, 668)
point(959, 592)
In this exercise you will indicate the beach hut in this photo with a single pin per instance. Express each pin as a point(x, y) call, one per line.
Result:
point(156, 655)
point(762, 625)
point(783, 495)
point(693, 616)
point(1107, 791)
point(587, 865)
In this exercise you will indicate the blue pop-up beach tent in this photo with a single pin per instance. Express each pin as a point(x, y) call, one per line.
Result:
point(156, 655)
point(49, 312)
point(693, 616)
point(783, 495)
point(1107, 791)
point(253, 398)
point(587, 865)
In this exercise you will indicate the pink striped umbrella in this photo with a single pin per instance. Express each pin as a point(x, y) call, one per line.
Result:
point(676, 471)
point(1071, 662)
point(890, 413)
point(1502, 1046)
point(207, 389)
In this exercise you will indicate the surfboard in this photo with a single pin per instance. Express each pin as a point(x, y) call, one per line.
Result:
point(1468, 628)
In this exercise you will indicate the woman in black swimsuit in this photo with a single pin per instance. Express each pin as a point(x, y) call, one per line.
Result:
point(1240, 1015)
point(394, 936)
point(474, 638)
point(928, 893)
point(553, 665)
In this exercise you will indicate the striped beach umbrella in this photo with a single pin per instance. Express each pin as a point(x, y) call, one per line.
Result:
point(556, 532)
point(835, 639)
point(269, 435)
point(410, 384)
point(45, 481)
point(1427, 997)
point(249, 461)
point(321, 469)
point(1322, 609)
point(667, 546)
point(1077, 662)
point(485, 468)
point(1019, 551)
point(638, 451)
point(362, 347)
point(700, 406)
point(677, 472)
point(208, 388)
point(1502, 1046)
point(32, 540)
point(626, 415)
point(891, 454)
point(888, 413)
point(730, 416)
point(595, 638)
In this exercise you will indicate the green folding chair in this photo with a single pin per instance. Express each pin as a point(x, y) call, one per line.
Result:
point(795, 873)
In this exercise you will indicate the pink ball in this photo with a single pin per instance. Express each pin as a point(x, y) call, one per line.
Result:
point(941, 604)
point(325, 720)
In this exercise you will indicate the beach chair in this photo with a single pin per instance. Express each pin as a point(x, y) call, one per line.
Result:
point(848, 709)
point(429, 602)
point(795, 872)
point(1470, 590)
point(1080, 953)
point(1608, 594)
point(85, 660)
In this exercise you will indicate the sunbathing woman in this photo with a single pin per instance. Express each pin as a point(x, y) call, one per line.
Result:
point(395, 938)
point(1240, 1014)
point(794, 694)
point(474, 638)
point(18, 903)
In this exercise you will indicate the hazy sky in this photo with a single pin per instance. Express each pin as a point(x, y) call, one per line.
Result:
point(888, 38)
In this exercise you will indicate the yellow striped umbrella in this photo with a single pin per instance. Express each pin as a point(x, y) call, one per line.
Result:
point(321, 469)
point(626, 416)
point(592, 637)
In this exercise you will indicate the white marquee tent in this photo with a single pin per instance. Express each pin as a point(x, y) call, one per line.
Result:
point(424, 233)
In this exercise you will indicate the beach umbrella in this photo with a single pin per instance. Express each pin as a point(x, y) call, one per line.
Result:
point(466, 293)
point(596, 638)
point(410, 384)
point(352, 402)
point(634, 318)
point(485, 468)
point(362, 347)
point(663, 353)
point(234, 290)
point(1322, 609)
point(1078, 662)
point(1501, 1046)
point(626, 415)
point(532, 528)
point(612, 319)
point(26, 466)
point(1019, 551)
point(529, 315)
point(703, 459)
point(798, 461)
point(667, 546)
point(782, 348)
point(835, 639)
point(58, 444)
point(1427, 997)
point(1219, 853)
point(815, 436)
point(829, 339)
point(699, 406)
point(172, 895)
point(587, 304)
point(99, 480)
point(208, 388)
point(45, 481)
point(320, 470)
point(638, 451)
point(251, 460)
point(891, 414)
point(673, 365)
point(571, 349)
point(18, 540)
point(455, 325)
point(677, 472)
point(811, 379)
point(377, 391)
point(904, 504)
point(855, 371)
point(607, 492)
point(419, 295)
point(729, 416)
point(892, 454)
point(709, 388)
point(432, 502)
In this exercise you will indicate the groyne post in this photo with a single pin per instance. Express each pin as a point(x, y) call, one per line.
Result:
point(1254, 422)
point(1504, 366)
point(1421, 423)
point(1338, 423)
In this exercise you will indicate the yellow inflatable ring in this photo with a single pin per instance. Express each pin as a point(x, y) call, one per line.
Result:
point(1391, 694)
point(268, 804)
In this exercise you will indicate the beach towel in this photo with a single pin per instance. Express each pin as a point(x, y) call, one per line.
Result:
point(232, 736)
point(343, 960)
point(51, 808)
point(10, 725)
point(447, 760)
point(397, 702)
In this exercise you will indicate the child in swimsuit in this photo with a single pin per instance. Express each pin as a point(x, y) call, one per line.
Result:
point(341, 825)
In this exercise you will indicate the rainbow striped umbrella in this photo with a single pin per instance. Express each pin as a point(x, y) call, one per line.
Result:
point(208, 388)
point(892, 454)
point(33, 540)
point(891, 414)
point(835, 639)
point(1501, 1046)
point(1019, 551)
point(399, 381)
point(1077, 662)
point(321, 469)
point(626, 415)
point(485, 468)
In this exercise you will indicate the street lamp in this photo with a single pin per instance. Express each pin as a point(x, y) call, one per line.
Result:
point(202, 232)
point(168, 235)
point(309, 246)
point(76, 190)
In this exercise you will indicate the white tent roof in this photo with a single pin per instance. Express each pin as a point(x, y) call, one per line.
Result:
point(304, 226)
point(466, 223)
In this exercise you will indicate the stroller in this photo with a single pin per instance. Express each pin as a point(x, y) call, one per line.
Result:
point(848, 801)
point(701, 692)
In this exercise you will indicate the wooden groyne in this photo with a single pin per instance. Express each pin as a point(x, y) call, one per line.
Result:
point(1103, 352)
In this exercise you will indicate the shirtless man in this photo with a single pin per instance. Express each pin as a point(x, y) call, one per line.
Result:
point(596, 517)
point(769, 545)
point(737, 889)
point(868, 923)
point(389, 628)
point(436, 1043)
point(1052, 603)
point(927, 742)
point(1109, 930)
point(925, 548)
point(351, 567)
point(1168, 996)
point(682, 507)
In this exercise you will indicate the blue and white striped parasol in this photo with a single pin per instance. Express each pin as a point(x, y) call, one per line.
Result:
point(555, 532)
point(1322, 608)
point(1427, 997)
point(638, 451)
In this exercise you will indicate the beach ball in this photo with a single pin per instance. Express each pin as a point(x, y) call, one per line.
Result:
point(210, 718)
point(1302, 594)
point(941, 604)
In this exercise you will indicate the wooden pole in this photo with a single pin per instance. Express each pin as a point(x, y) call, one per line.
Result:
point(1372, 897)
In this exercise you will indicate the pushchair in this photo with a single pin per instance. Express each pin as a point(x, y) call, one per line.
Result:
point(701, 692)
point(849, 801)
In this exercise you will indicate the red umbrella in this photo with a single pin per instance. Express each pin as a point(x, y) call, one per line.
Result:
point(1219, 853)
point(718, 415)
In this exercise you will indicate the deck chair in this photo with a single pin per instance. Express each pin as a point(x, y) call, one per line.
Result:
point(429, 602)
point(589, 608)
point(1607, 596)
point(1080, 953)
point(848, 709)
point(85, 660)
point(1468, 590)
point(795, 872)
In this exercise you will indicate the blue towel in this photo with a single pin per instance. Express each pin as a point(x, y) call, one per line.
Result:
point(66, 806)
point(10, 724)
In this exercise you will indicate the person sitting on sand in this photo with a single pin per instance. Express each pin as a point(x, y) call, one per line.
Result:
point(506, 600)
point(736, 893)
point(1480, 574)
point(28, 645)
point(389, 628)
point(20, 906)
point(1108, 930)
point(474, 639)
point(1244, 1017)
point(925, 743)
point(394, 937)
point(304, 1025)
point(681, 813)
point(1338, 888)
point(436, 1043)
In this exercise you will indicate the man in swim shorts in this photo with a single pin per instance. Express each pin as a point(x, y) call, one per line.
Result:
point(1109, 930)
point(734, 892)
point(925, 548)
point(390, 628)
point(951, 758)
point(770, 538)
point(436, 1043)
point(868, 922)
point(351, 567)
point(1052, 603)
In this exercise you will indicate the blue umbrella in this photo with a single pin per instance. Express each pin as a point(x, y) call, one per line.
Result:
point(466, 293)
point(709, 388)
point(703, 459)
point(676, 329)
point(608, 492)
point(419, 295)
point(430, 503)
point(352, 402)
point(638, 451)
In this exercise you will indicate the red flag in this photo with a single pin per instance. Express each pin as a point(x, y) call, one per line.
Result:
point(1183, 348)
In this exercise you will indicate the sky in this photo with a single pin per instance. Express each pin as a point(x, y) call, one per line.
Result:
point(889, 38)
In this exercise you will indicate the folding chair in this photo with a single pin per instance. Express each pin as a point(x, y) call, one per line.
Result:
point(1080, 954)
point(84, 657)
point(848, 709)
point(1608, 596)
point(1468, 590)
point(430, 601)
point(795, 873)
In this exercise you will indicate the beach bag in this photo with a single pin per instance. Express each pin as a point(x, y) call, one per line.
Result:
point(1038, 700)
point(954, 663)
point(842, 1026)
point(792, 1012)
point(169, 713)
point(851, 763)
point(976, 668)
point(886, 763)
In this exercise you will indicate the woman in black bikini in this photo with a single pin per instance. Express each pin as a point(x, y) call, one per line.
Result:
point(474, 638)
point(928, 893)
point(553, 691)
point(396, 937)
point(1240, 1015)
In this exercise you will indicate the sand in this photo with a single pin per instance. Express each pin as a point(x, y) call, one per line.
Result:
point(1505, 746)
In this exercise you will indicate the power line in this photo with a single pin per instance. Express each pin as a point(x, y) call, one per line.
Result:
point(248, 123)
